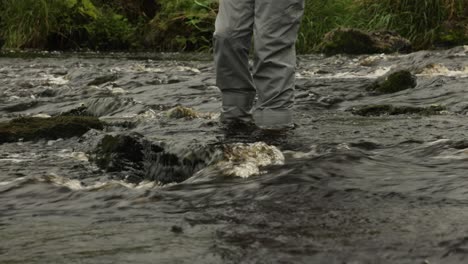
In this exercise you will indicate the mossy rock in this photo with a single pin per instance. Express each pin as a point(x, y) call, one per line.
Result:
point(378, 110)
point(395, 82)
point(33, 128)
point(182, 112)
point(133, 158)
point(355, 41)
point(120, 152)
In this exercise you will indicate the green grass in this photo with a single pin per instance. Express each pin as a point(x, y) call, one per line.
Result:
point(321, 16)
point(420, 21)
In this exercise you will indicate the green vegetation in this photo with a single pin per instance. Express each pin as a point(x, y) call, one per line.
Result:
point(187, 25)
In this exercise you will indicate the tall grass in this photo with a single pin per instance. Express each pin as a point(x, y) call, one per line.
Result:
point(421, 21)
point(321, 16)
point(418, 20)
point(59, 24)
point(24, 23)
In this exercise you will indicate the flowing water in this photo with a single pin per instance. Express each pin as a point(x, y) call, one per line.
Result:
point(342, 189)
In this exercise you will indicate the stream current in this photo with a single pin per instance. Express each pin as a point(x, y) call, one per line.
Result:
point(351, 189)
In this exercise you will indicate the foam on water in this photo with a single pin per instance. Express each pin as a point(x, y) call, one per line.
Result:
point(379, 72)
point(454, 154)
point(442, 70)
point(76, 185)
point(245, 160)
point(51, 79)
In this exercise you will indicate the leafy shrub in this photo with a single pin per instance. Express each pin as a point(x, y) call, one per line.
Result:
point(419, 20)
point(183, 25)
point(109, 31)
point(61, 24)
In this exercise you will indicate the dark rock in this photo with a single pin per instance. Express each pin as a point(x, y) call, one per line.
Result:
point(47, 93)
point(377, 110)
point(177, 229)
point(394, 82)
point(120, 153)
point(139, 159)
point(32, 128)
point(354, 41)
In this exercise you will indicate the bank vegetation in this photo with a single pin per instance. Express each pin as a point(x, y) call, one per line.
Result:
point(187, 25)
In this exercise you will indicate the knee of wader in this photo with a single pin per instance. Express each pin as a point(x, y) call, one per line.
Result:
point(230, 34)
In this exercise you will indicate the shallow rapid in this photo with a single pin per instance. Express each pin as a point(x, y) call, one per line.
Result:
point(343, 188)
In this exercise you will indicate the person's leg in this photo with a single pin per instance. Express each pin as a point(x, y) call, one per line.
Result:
point(232, 40)
point(275, 34)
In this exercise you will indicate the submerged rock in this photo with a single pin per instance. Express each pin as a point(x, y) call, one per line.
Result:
point(355, 41)
point(33, 128)
point(394, 82)
point(377, 110)
point(135, 159)
point(139, 159)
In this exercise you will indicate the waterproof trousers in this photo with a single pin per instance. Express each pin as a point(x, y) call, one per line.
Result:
point(273, 25)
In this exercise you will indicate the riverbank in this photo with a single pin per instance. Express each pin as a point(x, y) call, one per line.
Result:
point(165, 25)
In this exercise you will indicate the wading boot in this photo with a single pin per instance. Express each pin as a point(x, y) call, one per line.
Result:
point(238, 131)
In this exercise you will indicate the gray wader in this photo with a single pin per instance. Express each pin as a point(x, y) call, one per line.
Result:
point(274, 26)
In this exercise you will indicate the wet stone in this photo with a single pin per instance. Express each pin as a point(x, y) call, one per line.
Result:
point(47, 93)
point(34, 128)
point(354, 41)
point(395, 82)
point(378, 110)
point(135, 159)
point(182, 112)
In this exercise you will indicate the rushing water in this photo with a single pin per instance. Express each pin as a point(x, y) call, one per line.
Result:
point(343, 189)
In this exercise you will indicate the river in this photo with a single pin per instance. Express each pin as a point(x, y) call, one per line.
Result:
point(346, 188)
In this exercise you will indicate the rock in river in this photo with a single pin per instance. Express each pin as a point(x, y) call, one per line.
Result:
point(394, 82)
point(377, 110)
point(355, 41)
point(33, 128)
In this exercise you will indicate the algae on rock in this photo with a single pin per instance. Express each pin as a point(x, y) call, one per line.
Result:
point(395, 82)
point(179, 112)
point(34, 128)
point(134, 159)
point(378, 110)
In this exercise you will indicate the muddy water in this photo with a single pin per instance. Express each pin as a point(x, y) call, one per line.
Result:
point(352, 189)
